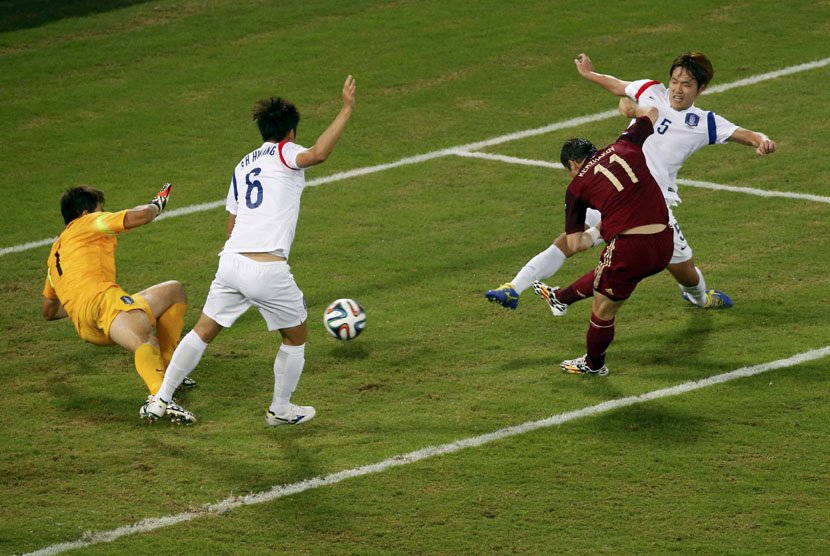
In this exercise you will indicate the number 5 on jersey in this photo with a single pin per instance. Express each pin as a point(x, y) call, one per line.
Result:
point(611, 177)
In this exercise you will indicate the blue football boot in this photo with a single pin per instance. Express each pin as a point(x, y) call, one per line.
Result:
point(505, 295)
point(714, 300)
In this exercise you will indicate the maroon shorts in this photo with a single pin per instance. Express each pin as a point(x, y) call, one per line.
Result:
point(628, 259)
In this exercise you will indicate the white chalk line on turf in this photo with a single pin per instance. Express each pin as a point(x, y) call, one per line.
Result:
point(691, 183)
point(469, 147)
point(754, 191)
point(280, 491)
point(511, 159)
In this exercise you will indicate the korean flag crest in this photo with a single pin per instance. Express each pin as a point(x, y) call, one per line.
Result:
point(692, 120)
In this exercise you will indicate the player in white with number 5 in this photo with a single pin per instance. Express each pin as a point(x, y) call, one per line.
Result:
point(681, 130)
point(264, 204)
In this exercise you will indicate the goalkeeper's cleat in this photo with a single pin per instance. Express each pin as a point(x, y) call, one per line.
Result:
point(544, 291)
point(580, 366)
point(505, 295)
point(187, 382)
point(714, 300)
point(179, 415)
point(294, 415)
point(153, 409)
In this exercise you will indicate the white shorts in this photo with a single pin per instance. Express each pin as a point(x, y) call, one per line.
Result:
point(682, 249)
point(269, 286)
point(592, 217)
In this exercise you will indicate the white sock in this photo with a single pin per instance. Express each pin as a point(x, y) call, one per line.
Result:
point(543, 265)
point(187, 355)
point(288, 366)
point(696, 293)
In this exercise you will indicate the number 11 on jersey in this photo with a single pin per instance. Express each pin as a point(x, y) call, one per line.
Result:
point(611, 177)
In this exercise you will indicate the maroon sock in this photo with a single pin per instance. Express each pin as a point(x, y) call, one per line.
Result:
point(583, 287)
point(600, 336)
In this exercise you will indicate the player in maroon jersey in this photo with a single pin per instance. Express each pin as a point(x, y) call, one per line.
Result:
point(615, 181)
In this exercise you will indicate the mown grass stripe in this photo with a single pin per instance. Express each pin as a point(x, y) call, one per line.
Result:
point(574, 122)
point(281, 491)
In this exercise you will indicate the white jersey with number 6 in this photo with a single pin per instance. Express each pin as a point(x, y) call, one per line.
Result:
point(677, 134)
point(265, 196)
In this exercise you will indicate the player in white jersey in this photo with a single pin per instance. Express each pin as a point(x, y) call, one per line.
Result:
point(681, 130)
point(264, 204)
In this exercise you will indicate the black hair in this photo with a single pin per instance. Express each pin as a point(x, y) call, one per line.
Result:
point(76, 200)
point(698, 66)
point(576, 149)
point(276, 117)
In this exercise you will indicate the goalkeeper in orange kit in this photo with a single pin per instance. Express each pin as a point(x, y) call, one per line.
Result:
point(80, 284)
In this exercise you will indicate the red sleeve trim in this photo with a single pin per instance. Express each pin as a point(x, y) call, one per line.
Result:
point(644, 87)
point(279, 149)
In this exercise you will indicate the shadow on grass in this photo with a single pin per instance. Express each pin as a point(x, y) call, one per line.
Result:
point(349, 350)
point(650, 424)
point(26, 14)
point(686, 348)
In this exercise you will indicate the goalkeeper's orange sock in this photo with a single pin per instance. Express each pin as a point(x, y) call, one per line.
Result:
point(150, 367)
point(169, 327)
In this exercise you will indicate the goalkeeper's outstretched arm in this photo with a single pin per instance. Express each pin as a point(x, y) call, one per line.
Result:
point(144, 214)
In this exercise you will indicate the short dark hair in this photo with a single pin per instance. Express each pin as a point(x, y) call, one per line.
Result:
point(698, 66)
point(276, 117)
point(76, 200)
point(576, 149)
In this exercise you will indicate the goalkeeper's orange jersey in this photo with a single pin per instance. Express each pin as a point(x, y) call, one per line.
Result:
point(82, 261)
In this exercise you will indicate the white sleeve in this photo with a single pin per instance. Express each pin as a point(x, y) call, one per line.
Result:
point(723, 128)
point(233, 194)
point(635, 89)
point(288, 154)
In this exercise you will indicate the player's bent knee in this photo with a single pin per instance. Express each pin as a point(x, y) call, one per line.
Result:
point(130, 329)
point(562, 243)
point(296, 335)
point(207, 328)
point(684, 273)
point(175, 291)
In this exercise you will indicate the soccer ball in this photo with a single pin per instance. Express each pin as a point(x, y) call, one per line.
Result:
point(344, 319)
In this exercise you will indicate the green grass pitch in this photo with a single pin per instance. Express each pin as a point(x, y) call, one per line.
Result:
point(126, 94)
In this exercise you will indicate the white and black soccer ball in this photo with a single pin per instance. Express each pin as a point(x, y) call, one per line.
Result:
point(344, 319)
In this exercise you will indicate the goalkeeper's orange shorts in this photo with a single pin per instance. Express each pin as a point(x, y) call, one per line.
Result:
point(95, 316)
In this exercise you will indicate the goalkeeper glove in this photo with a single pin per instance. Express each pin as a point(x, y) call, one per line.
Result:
point(160, 200)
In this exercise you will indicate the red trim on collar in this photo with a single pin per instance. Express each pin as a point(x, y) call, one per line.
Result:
point(644, 87)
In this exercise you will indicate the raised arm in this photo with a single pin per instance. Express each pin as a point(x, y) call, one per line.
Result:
point(631, 109)
point(763, 144)
point(144, 214)
point(608, 82)
point(328, 139)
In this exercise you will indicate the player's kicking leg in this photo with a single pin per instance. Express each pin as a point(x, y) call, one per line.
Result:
point(689, 277)
point(542, 266)
point(185, 358)
point(560, 299)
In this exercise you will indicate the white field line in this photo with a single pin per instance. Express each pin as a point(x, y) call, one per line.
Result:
point(753, 191)
point(511, 159)
point(691, 183)
point(574, 122)
point(280, 491)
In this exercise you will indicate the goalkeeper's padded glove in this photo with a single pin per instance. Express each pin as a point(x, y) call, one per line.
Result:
point(160, 200)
